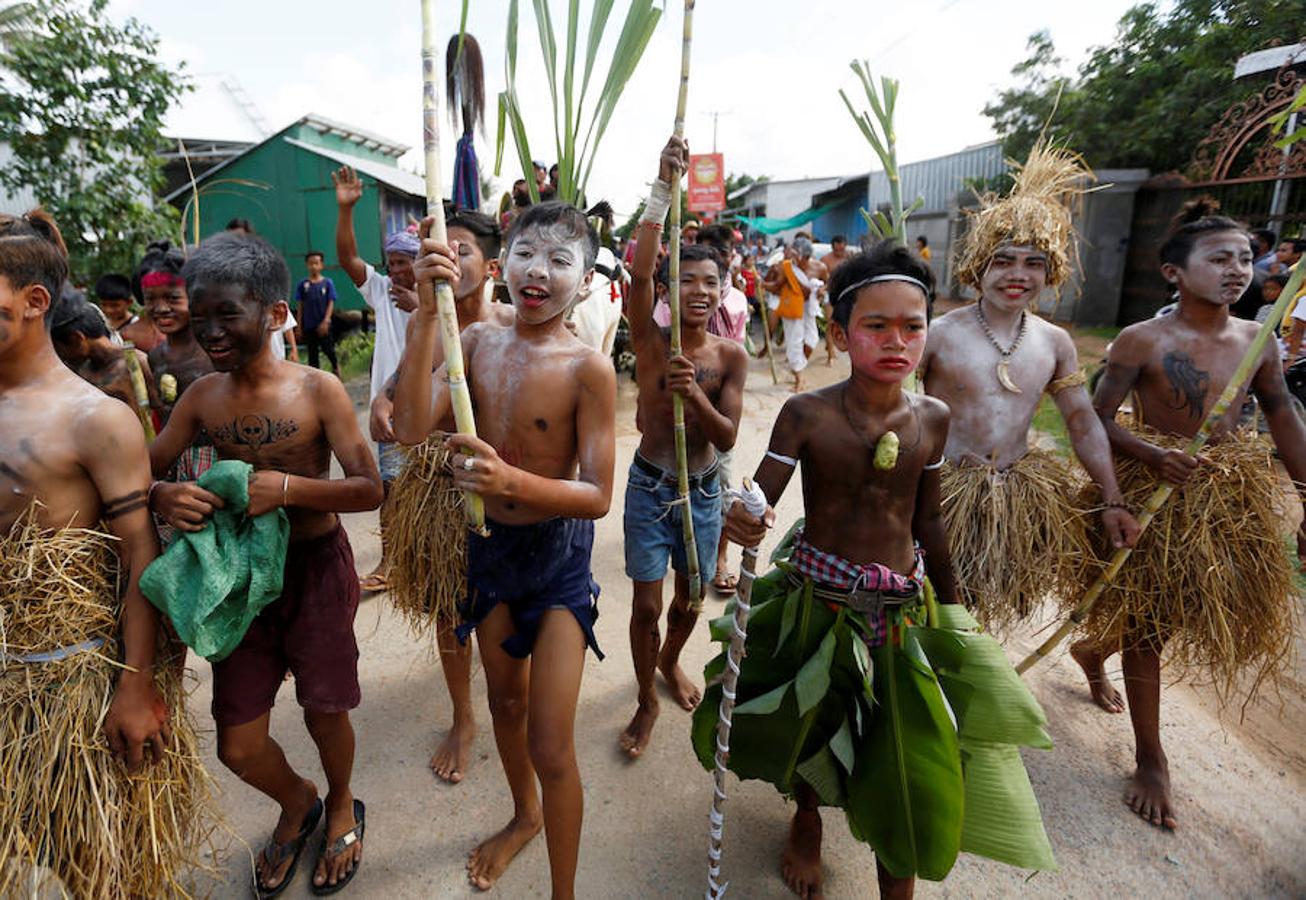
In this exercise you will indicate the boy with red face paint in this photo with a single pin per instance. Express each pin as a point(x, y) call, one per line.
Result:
point(545, 408)
point(1012, 525)
point(838, 656)
point(709, 377)
point(178, 360)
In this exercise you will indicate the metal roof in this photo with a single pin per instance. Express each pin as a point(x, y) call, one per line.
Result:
point(357, 135)
point(392, 176)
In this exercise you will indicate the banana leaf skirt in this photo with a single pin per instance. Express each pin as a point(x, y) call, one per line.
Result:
point(916, 739)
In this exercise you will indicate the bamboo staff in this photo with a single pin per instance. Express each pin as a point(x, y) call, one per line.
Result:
point(1241, 376)
point(459, 394)
point(755, 502)
point(138, 389)
point(678, 404)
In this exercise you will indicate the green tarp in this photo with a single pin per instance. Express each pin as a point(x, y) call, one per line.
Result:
point(767, 225)
point(213, 582)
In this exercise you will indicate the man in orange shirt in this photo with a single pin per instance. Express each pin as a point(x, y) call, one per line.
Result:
point(791, 281)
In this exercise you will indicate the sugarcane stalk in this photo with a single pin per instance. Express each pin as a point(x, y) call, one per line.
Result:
point(139, 389)
point(755, 502)
point(677, 402)
point(1246, 368)
point(766, 343)
point(450, 339)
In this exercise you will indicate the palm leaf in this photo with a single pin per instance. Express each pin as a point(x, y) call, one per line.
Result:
point(905, 796)
point(549, 47)
point(1002, 819)
point(565, 175)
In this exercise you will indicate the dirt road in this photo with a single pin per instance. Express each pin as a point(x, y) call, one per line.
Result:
point(1240, 787)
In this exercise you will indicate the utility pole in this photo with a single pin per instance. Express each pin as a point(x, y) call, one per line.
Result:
point(715, 114)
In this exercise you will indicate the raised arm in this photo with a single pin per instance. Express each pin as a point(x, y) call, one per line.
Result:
point(111, 448)
point(349, 190)
point(927, 518)
point(639, 304)
point(589, 495)
point(1088, 437)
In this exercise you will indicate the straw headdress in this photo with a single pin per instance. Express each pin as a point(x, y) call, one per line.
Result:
point(1037, 213)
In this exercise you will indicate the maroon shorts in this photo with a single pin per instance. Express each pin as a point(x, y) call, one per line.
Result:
point(308, 630)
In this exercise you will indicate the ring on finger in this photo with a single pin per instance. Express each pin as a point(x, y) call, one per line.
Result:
point(469, 463)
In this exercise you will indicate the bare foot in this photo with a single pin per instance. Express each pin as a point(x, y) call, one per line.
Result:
point(1093, 663)
point(1149, 794)
point(292, 819)
point(339, 821)
point(491, 857)
point(683, 689)
point(800, 864)
point(454, 753)
point(635, 738)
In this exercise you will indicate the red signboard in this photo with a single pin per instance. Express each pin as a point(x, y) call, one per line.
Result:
point(707, 183)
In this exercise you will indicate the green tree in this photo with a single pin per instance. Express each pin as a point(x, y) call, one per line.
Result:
point(1147, 98)
point(82, 108)
point(14, 21)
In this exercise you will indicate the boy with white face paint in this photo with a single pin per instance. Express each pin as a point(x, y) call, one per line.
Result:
point(543, 463)
point(991, 362)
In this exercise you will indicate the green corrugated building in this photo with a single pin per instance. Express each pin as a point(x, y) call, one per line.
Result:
point(282, 185)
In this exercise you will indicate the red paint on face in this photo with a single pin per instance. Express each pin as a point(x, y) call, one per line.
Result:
point(886, 331)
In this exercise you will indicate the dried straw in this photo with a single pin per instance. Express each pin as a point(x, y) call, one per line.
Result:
point(1015, 535)
point(1037, 213)
point(71, 818)
point(1211, 575)
point(428, 539)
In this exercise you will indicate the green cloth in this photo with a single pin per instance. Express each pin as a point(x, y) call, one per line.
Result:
point(916, 740)
point(213, 582)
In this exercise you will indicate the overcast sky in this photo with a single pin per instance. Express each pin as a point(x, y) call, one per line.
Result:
point(772, 69)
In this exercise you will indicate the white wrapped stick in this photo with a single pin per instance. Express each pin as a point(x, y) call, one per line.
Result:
point(755, 502)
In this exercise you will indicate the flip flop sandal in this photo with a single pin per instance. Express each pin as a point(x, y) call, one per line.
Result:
point(725, 585)
point(276, 853)
point(339, 846)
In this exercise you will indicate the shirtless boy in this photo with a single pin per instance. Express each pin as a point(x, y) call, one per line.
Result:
point(854, 572)
point(286, 421)
point(477, 238)
point(545, 407)
point(84, 467)
point(1177, 366)
point(709, 377)
point(90, 471)
point(178, 361)
point(114, 294)
point(991, 362)
point(81, 338)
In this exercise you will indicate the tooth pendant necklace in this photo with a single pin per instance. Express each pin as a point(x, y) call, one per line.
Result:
point(1004, 363)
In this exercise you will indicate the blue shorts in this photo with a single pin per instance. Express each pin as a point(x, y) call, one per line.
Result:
point(533, 569)
point(653, 525)
point(391, 457)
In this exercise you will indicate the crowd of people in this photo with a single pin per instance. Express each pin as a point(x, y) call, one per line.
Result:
point(888, 595)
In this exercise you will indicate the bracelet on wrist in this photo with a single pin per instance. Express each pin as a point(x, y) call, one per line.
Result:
point(1116, 504)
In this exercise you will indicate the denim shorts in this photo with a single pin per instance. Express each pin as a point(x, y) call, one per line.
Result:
point(653, 525)
point(391, 457)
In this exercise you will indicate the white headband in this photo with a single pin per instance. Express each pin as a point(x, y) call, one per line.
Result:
point(888, 276)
